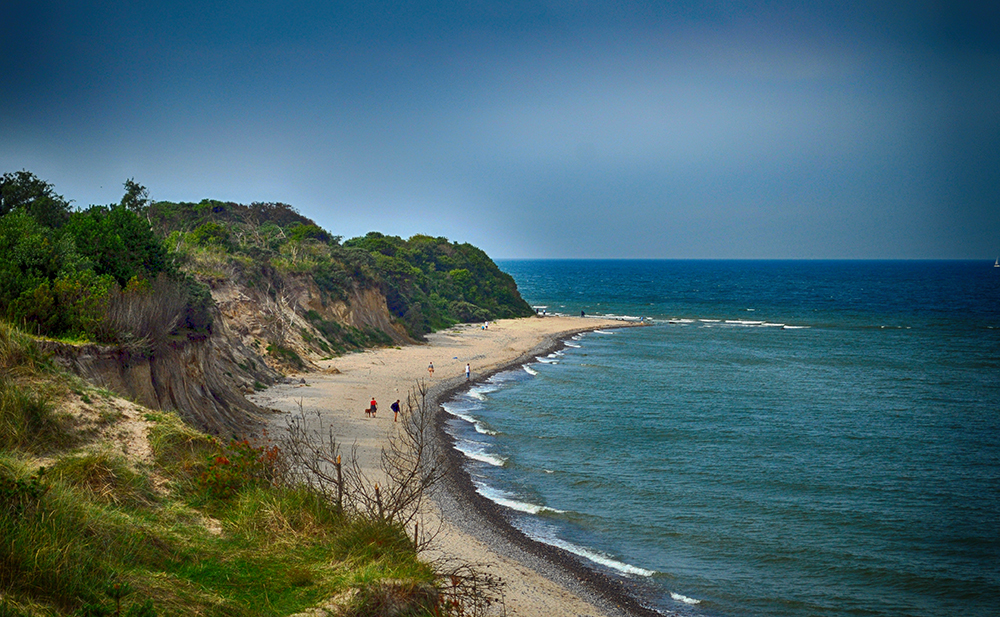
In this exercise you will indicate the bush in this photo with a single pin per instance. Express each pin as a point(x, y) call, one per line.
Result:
point(239, 465)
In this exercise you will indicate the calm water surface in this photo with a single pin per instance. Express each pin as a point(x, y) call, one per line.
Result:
point(788, 439)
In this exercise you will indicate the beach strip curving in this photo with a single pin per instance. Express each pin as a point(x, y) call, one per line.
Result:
point(539, 579)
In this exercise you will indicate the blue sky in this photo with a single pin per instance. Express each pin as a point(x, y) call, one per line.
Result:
point(554, 128)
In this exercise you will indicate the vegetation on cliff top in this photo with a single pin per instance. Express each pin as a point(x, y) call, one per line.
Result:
point(429, 283)
point(98, 274)
point(119, 273)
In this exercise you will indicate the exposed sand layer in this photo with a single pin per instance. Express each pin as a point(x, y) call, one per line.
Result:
point(539, 580)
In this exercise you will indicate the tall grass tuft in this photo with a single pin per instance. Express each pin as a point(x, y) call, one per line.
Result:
point(178, 448)
point(105, 476)
point(29, 422)
point(18, 353)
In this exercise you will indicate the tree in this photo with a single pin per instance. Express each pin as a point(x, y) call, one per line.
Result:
point(119, 243)
point(136, 197)
point(23, 191)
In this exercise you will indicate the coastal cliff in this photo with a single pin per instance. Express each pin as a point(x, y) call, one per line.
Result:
point(191, 306)
point(206, 379)
point(203, 380)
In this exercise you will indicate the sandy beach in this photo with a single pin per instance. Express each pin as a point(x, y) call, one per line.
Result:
point(539, 580)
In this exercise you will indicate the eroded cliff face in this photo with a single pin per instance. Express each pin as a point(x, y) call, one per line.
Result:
point(206, 380)
point(260, 317)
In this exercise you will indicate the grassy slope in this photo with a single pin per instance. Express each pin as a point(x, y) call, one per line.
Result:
point(137, 499)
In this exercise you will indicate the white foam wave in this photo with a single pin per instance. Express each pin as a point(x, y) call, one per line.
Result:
point(744, 322)
point(478, 454)
point(578, 337)
point(573, 345)
point(795, 327)
point(546, 360)
point(507, 500)
point(773, 325)
point(710, 320)
point(684, 599)
point(476, 394)
point(680, 321)
point(621, 318)
point(459, 414)
point(597, 557)
point(478, 425)
point(530, 370)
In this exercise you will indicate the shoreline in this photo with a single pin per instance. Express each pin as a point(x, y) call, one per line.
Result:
point(540, 580)
point(488, 521)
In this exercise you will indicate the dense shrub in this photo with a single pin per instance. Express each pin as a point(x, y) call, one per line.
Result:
point(237, 465)
point(431, 283)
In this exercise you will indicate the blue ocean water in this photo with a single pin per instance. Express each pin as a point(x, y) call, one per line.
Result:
point(787, 439)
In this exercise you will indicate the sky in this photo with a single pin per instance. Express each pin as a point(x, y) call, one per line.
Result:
point(532, 129)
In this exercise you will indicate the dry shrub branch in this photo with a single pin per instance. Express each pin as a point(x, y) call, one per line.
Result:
point(412, 464)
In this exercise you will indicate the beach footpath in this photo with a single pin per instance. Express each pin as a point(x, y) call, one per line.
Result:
point(535, 583)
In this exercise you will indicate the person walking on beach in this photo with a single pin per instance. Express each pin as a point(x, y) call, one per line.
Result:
point(395, 411)
point(430, 369)
point(468, 371)
point(373, 407)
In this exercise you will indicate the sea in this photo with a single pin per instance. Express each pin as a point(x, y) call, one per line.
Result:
point(786, 439)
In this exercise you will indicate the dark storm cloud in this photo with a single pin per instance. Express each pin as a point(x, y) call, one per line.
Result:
point(683, 129)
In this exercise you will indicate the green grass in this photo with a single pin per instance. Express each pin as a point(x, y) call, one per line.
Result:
point(164, 533)
point(272, 550)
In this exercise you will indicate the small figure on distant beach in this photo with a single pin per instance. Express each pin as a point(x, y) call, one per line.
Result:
point(468, 371)
point(395, 411)
point(582, 314)
point(430, 369)
point(373, 407)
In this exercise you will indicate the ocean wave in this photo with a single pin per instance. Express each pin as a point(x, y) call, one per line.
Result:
point(597, 557)
point(602, 332)
point(546, 360)
point(573, 345)
point(475, 422)
point(530, 370)
point(795, 327)
point(680, 321)
point(478, 454)
point(683, 598)
point(619, 318)
point(458, 414)
point(507, 500)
